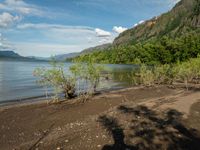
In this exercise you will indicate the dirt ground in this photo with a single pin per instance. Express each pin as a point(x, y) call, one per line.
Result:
point(138, 118)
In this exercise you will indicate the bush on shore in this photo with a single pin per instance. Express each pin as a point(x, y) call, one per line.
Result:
point(89, 75)
point(81, 75)
point(184, 72)
point(56, 78)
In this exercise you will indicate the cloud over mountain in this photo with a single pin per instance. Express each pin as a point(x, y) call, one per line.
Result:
point(102, 33)
point(119, 29)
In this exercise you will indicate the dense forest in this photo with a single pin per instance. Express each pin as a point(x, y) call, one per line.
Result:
point(163, 50)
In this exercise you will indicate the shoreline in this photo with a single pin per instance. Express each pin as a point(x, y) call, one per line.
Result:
point(77, 125)
point(43, 99)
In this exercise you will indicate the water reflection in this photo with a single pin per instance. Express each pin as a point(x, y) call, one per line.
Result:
point(17, 81)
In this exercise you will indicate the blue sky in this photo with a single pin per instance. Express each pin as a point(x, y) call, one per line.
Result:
point(49, 27)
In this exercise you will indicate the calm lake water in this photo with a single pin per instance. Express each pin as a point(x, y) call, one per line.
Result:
point(17, 82)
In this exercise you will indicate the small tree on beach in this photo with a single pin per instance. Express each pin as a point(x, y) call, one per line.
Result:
point(89, 72)
point(57, 78)
point(69, 83)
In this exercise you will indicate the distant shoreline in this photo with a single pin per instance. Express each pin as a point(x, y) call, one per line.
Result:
point(21, 59)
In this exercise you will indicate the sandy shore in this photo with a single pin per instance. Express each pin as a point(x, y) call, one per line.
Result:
point(134, 118)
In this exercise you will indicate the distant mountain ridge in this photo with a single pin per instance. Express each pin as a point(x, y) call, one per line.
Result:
point(10, 54)
point(64, 57)
point(96, 48)
point(183, 18)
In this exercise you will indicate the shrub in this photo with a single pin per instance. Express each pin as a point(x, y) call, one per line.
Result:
point(82, 75)
point(89, 73)
point(185, 72)
point(144, 75)
point(164, 74)
point(56, 77)
point(188, 71)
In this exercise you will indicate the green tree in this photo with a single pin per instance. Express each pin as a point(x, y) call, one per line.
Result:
point(57, 78)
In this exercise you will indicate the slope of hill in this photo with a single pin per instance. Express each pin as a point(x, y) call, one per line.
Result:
point(64, 57)
point(184, 17)
point(96, 48)
point(168, 38)
point(70, 56)
point(10, 54)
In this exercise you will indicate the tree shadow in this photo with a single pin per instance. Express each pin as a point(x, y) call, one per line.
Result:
point(149, 130)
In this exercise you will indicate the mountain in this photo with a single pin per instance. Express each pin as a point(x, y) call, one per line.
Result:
point(184, 17)
point(96, 48)
point(9, 54)
point(70, 56)
point(169, 38)
point(64, 57)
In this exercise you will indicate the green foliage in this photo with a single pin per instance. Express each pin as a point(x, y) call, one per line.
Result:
point(164, 74)
point(151, 75)
point(183, 72)
point(188, 71)
point(89, 72)
point(165, 50)
point(197, 8)
point(145, 76)
point(56, 77)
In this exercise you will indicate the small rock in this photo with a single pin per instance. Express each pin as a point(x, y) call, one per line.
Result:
point(58, 148)
point(59, 129)
point(66, 141)
point(98, 145)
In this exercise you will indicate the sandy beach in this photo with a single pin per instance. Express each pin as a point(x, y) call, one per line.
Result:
point(133, 118)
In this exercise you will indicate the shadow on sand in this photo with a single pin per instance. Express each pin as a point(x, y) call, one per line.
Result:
point(149, 130)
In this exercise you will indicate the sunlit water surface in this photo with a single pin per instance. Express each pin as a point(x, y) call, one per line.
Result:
point(17, 82)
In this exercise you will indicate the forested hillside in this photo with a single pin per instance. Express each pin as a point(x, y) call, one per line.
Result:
point(171, 37)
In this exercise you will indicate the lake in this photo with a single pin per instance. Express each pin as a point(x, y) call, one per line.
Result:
point(17, 82)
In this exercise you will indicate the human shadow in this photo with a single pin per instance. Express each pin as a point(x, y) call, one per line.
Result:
point(112, 126)
point(150, 130)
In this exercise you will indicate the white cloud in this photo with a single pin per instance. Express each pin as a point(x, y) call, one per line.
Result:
point(140, 22)
point(45, 50)
point(54, 39)
point(173, 2)
point(119, 29)
point(21, 7)
point(4, 43)
point(103, 41)
point(7, 20)
point(102, 33)
point(135, 24)
point(1, 40)
point(50, 26)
